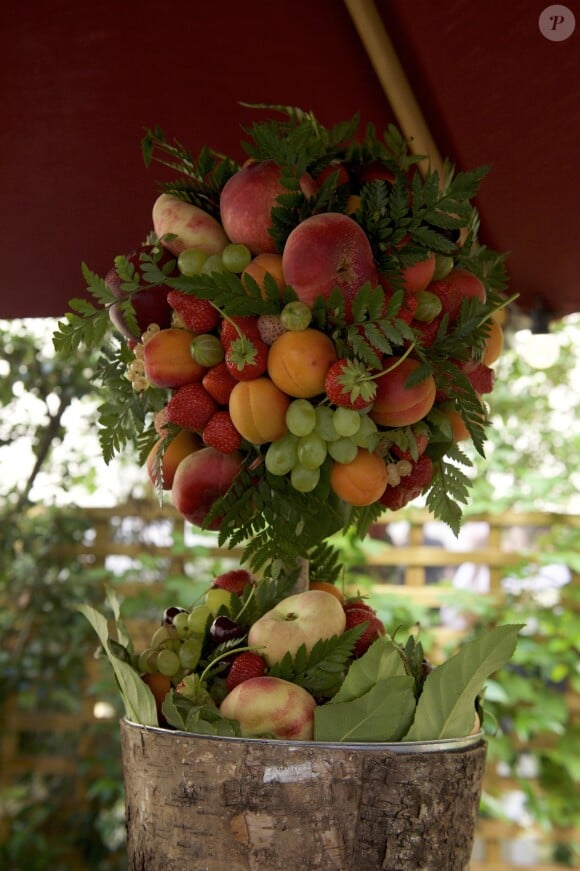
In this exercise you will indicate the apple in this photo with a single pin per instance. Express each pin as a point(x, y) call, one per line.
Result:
point(150, 303)
point(200, 479)
point(246, 202)
point(269, 706)
point(192, 227)
point(327, 251)
point(303, 618)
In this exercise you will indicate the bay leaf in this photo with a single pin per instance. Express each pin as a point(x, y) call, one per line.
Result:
point(382, 660)
point(384, 713)
point(446, 706)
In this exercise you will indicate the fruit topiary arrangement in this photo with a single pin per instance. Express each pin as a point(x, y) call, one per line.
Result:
point(301, 343)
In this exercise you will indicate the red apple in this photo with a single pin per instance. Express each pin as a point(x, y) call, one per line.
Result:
point(150, 304)
point(304, 618)
point(192, 227)
point(246, 202)
point(327, 251)
point(271, 707)
point(200, 479)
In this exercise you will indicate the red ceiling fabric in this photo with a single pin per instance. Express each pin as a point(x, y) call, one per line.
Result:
point(80, 83)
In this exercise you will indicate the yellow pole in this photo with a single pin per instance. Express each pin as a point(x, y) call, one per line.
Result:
point(393, 79)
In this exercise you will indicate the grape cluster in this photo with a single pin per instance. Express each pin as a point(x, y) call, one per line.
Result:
point(194, 261)
point(315, 432)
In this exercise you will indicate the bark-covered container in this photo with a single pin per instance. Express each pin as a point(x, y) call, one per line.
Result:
point(197, 803)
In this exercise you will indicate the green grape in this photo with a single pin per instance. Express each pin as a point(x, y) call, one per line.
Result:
point(443, 266)
point(312, 451)
point(304, 480)
point(162, 636)
point(198, 618)
point(190, 652)
point(181, 624)
point(366, 433)
point(236, 257)
point(325, 423)
point(168, 663)
point(343, 450)
point(147, 660)
point(214, 263)
point(300, 417)
point(207, 350)
point(282, 455)
point(191, 260)
point(346, 421)
point(295, 316)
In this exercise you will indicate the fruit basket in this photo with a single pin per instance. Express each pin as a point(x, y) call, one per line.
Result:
point(302, 343)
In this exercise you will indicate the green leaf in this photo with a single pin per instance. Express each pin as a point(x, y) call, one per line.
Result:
point(446, 707)
point(381, 661)
point(384, 713)
point(137, 697)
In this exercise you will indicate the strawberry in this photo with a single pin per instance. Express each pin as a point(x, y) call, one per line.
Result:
point(191, 407)
point(245, 666)
point(247, 358)
point(235, 581)
point(421, 440)
point(235, 328)
point(358, 604)
point(270, 327)
point(375, 629)
point(348, 383)
point(410, 486)
point(198, 315)
point(221, 434)
point(219, 383)
point(481, 377)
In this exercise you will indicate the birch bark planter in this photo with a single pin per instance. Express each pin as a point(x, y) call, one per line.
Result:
point(197, 803)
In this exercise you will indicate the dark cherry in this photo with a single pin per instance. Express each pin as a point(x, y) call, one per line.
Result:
point(224, 628)
point(170, 613)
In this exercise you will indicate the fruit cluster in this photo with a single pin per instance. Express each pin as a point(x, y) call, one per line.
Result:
point(263, 666)
point(306, 337)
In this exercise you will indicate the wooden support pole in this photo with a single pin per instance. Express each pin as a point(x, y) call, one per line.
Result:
point(394, 82)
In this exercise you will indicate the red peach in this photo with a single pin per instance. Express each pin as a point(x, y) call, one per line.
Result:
point(395, 403)
point(200, 479)
point(149, 304)
point(327, 251)
point(246, 202)
point(193, 228)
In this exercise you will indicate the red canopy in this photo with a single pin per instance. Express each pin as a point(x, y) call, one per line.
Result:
point(81, 82)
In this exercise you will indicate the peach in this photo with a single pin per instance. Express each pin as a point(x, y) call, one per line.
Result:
point(168, 360)
point(417, 276)
point(161, 467)
point(200, 479)
point(327, 251)
point(258, 410)
point(396, 404)
point(299, 360)
point(271, 707)
point(262, 265)
point(362, 481)
point(246, 202)
point(192, 227)
point(493, 342)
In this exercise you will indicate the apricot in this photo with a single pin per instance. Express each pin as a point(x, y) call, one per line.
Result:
point(299, 360)
point(263, 265)
point(362, 481)
point(258, 410)
point(396, 404)
point(184, 443)
point(168, 360)
point(493, 342)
